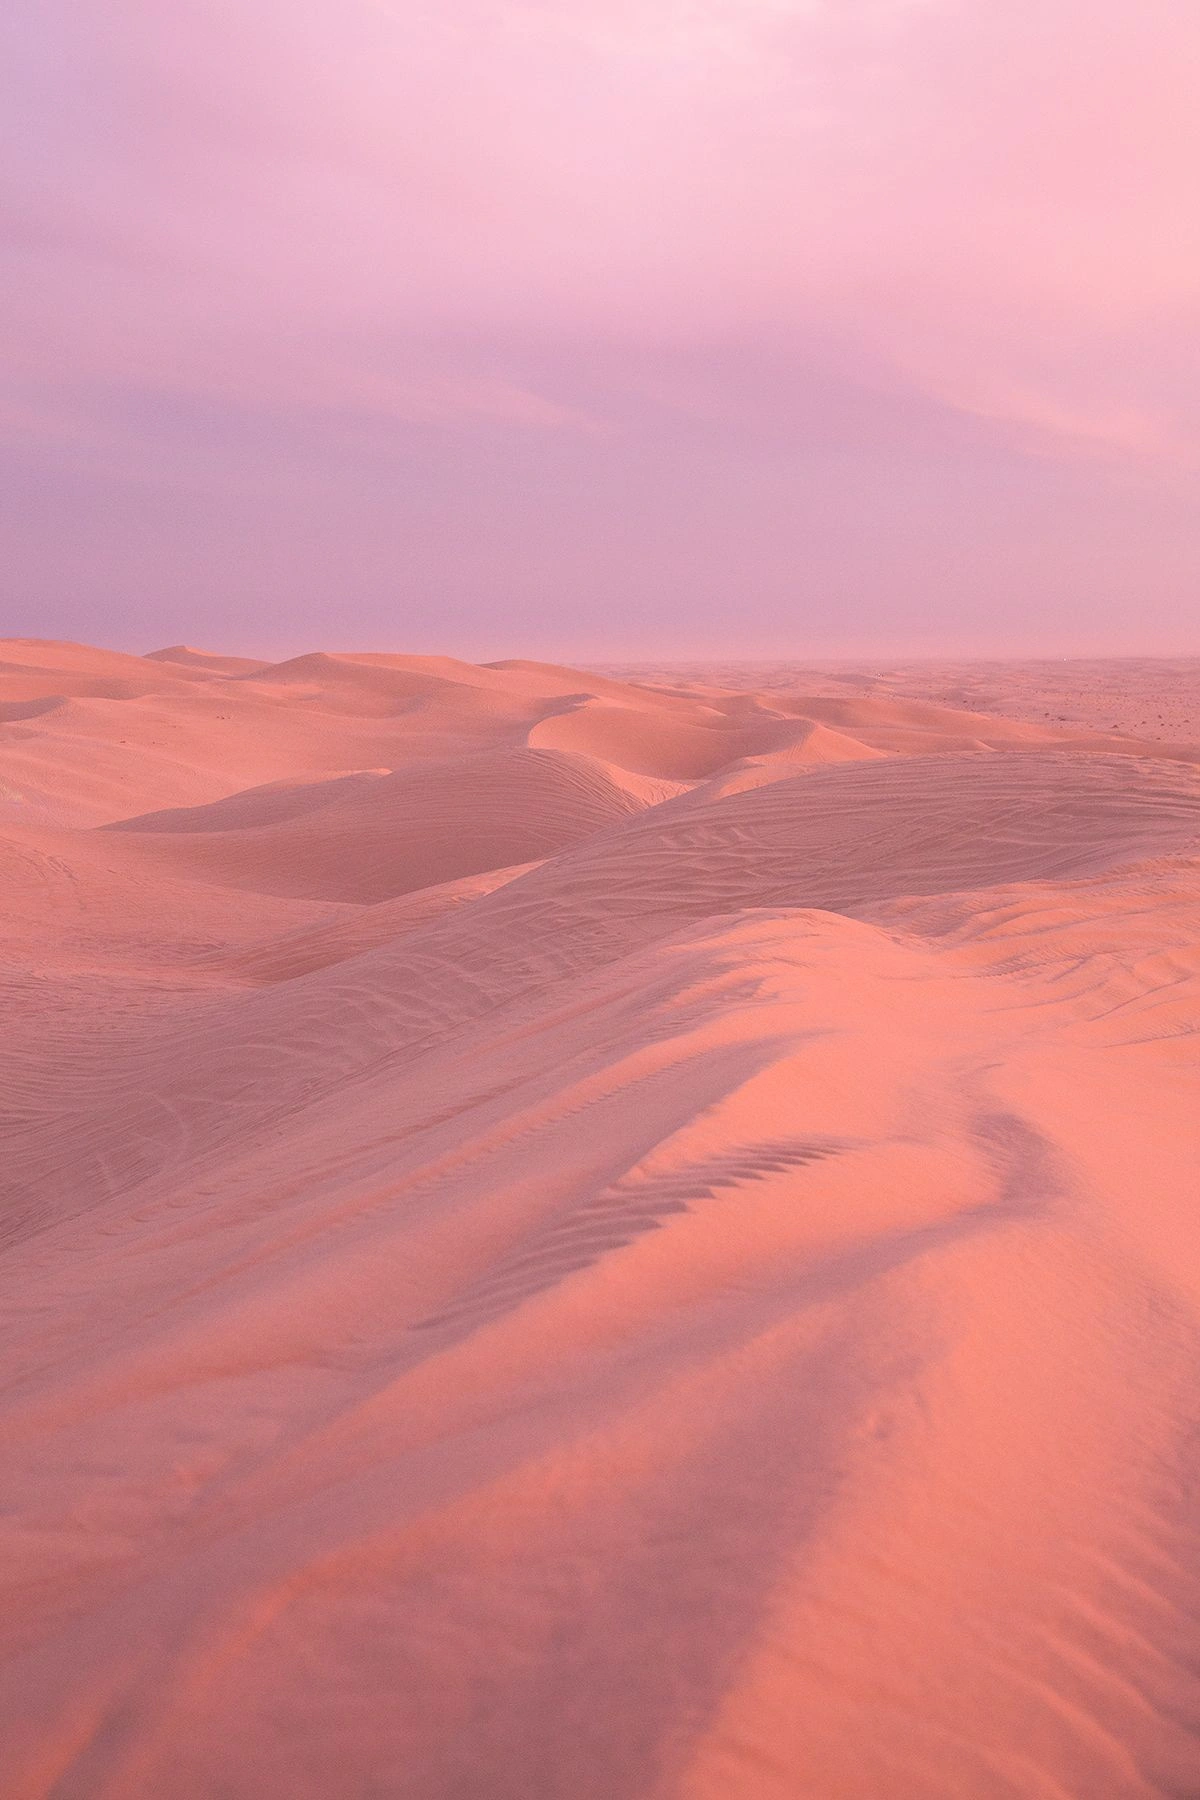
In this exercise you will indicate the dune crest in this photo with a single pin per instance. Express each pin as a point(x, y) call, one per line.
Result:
point(575, 1236)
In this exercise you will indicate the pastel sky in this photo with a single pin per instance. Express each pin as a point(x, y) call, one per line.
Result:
point(602, 327)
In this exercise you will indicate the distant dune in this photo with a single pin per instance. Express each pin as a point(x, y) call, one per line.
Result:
point(575, 1236)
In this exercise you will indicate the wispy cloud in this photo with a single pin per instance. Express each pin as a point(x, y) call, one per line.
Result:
point(891, 231)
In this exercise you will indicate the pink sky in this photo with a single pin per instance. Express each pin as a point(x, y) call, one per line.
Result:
point(511, 326)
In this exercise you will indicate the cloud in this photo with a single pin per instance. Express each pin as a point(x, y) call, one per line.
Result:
point(899, 229)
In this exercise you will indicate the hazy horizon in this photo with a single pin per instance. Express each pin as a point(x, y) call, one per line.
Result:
point(600, 657)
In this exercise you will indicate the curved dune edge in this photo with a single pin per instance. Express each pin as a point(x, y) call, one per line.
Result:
point(569, 1237)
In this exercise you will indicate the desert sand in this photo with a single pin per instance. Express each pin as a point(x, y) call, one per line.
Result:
point(576, 1236)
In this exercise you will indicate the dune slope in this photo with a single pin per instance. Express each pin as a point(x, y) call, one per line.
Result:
point(569, 1238)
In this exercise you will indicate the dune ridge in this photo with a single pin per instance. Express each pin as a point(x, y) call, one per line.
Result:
point(594, 1236)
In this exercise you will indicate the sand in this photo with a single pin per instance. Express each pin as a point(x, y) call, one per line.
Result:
point(577, 1236)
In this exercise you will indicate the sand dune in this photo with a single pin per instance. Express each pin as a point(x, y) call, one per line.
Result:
point(368, 838)
point(593, 1237)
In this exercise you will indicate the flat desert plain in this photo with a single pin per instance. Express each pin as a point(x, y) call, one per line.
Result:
point(576, 1236)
